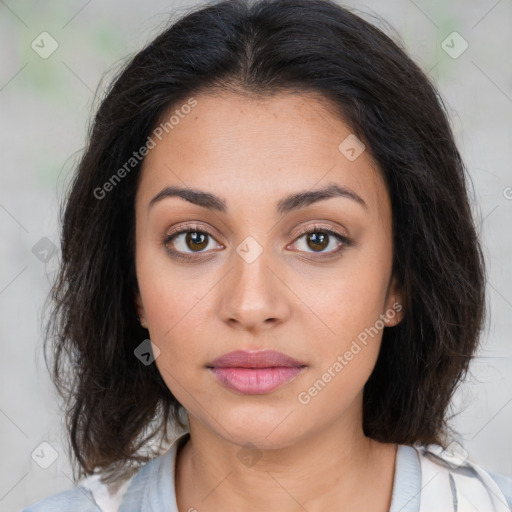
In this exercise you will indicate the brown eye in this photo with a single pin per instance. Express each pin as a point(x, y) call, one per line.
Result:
point(184, 244)
point(196, 240)
point(318, 239)
point(189, 240)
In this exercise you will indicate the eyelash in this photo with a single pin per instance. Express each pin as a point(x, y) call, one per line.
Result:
point(195, 229)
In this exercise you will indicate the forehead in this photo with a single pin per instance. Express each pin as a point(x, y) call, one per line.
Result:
point(258, 150)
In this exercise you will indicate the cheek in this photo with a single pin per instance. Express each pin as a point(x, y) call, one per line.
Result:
point(175, 315)
point(174, 312)
point(350, 302)
point(346, 324)
point(346, 352)
point(172, 294)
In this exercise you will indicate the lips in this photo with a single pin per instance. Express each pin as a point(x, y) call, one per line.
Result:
point(255, 373)
point(260, 359)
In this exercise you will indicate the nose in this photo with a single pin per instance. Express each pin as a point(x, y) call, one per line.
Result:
point(254, 294)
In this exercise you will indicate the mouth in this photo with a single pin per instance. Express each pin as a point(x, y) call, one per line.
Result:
point(255, 373)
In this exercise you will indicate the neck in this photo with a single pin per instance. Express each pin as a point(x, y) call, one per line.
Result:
point(331, 468)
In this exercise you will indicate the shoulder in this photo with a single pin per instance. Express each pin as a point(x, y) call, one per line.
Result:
point(505, 484)
point(78, 499)
point(90, 495)
point(466, 479)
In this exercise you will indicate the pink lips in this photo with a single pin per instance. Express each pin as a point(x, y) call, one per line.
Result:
point(255, 373)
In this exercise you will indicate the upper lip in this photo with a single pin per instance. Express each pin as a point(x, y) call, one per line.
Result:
point(259, 359)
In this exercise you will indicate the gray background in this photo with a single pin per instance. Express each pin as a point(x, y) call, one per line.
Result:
point(45, 105)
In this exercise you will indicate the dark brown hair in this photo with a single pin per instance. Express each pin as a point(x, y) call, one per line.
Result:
point(114, 404)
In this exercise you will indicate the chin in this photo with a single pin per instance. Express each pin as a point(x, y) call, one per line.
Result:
point(268, 432)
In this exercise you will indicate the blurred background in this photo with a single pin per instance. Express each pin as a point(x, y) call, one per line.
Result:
point(53, 55)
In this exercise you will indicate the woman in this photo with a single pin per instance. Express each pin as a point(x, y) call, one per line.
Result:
point(268, 244)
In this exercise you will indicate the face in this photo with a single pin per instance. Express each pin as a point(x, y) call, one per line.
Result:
point(246, 277)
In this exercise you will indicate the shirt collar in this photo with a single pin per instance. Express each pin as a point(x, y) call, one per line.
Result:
point(153, 487)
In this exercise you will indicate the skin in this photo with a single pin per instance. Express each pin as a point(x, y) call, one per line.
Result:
point(252, 153)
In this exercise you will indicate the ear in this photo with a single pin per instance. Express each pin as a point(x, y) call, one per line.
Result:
point(394, 311)
point(140, 309)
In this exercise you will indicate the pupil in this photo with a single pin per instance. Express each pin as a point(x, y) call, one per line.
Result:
point(318, 240)
point(194, 236)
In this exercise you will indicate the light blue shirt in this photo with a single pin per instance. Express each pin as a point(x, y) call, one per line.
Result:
point(152, 488)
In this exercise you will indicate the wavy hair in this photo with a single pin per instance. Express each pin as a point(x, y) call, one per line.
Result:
point(114, 404)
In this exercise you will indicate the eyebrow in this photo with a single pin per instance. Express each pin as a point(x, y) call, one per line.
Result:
point(289, 203)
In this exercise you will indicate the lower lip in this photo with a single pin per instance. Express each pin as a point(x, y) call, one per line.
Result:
point(256, 381)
